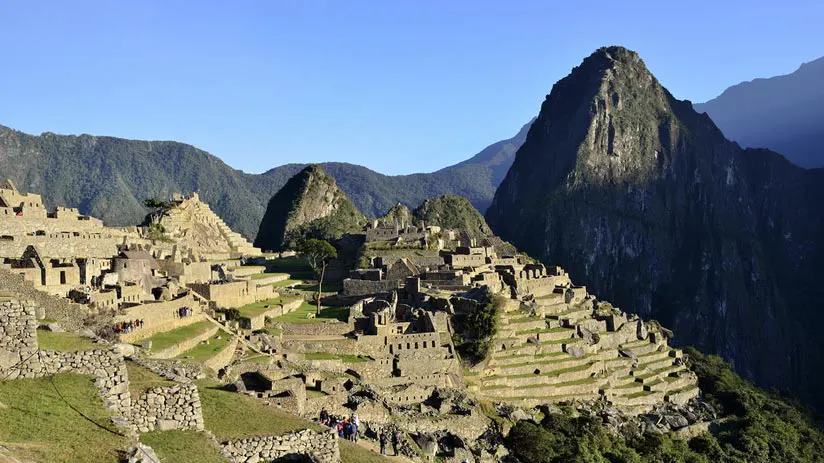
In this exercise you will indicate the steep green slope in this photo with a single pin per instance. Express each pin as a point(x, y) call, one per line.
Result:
point(310, 204)
point(110, 177)
point(451, 211)
point(645, 202)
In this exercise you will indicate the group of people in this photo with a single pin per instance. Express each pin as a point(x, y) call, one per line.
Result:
point(184, 312)
point(128, 326)
point(348, 429)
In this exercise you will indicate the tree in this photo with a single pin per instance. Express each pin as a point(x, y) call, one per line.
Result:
point(318, 253)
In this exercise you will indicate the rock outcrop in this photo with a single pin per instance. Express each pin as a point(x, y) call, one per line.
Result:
point(647, 202)
point(309, 204)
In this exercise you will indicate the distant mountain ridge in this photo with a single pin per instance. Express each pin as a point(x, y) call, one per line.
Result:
point(109, 177)
point(782, 113)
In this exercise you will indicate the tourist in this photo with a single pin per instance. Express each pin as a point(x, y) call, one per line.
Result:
point(395, 442)
point(354, 435)
point(340, 429)
point(324, 416)
point(382, 441)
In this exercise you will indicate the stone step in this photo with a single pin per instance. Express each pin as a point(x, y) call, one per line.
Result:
point(650, 376)
point(521, 358)
point(524, 323)
point(577, 387)
point(545, 368)
point(547, 365)
point(545, 334)
point(655, 355)
point(655, 364)
point(638, 398)
point(644, 347)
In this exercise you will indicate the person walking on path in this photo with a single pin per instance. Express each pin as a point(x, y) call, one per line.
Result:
point(383, 443)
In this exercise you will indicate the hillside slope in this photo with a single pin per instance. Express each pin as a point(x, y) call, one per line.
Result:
point(110, 177)
point(646, 202)
point(782, 113)
point(309, 204)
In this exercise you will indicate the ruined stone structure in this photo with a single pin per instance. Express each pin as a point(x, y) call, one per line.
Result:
point(322, 446)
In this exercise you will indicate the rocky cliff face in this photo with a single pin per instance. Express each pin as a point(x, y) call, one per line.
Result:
point(646, 202)
point(309, 204)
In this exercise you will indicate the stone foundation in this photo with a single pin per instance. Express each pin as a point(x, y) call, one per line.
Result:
point(323, 446)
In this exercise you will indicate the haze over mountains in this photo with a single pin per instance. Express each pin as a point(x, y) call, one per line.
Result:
point(645, 201)
point(110, 177)
point(782, 113)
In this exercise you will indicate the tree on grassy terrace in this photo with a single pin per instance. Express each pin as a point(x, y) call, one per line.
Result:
point(318, 253)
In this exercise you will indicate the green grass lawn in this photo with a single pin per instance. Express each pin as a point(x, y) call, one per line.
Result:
point(260, 276)
point(182, 447)
point(354, 453)
point(168, 339)
point(66, 342)
point(141, 378)
point(327, 287)
point(326, 313)
point(286, 282)
point(257, 308)
point(37, 425)
point(203, 352)
point(230, 415)
point(297, 268)
point(346, 358)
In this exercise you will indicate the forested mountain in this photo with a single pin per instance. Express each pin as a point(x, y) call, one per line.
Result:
point(645, 202)
point(310, 204)
point(782, 113)
point(110, 177)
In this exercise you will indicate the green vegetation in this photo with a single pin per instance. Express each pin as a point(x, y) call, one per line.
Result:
point(327, 287)
point(203, 351)
point(36, 424)
point(256, 308)
point(66, 342)
point(346, 358)
point(168, 339)
point(182, 447)
point(141, 378)
point(475, 332)
point(301, 315)
point(760, 427)
point(318, 253)
point(354, 453)
point(450, 211)
point(230, 415)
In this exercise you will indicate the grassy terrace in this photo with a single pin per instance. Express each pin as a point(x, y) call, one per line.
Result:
point(260, 276)
point(561, 341)
point(576, 382)
point(514, 356)
point(230, 415)
point(635, 395)
point(258, 308)
point(297, 268)
point(182, 447)
point(326, 313)
point(141, 378)
point(286, 282)
point(203, 352)
point(345, 358)
point(168, 339)
point(36, 424)
point(515, 321)
point(327, 287)
point(551, 361)
point(65, 342)
point(354, 453)
point(549, 374)
point(546, 330)
point(656, 372)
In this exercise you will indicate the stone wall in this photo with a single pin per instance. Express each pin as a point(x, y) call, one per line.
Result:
point(167, 408)
point(317, 329)
point(321, 445)
point(366, 287)
point(183, 346)
point(224, 357)
point(69, 315)
point(159, 316)
point(18, 333)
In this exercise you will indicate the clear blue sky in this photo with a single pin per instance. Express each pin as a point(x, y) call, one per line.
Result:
point(398, 86)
